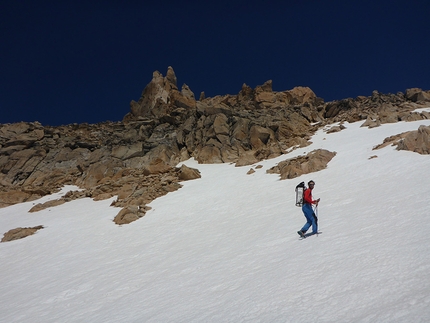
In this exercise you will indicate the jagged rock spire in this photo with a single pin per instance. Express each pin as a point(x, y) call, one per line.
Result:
point(160, 96)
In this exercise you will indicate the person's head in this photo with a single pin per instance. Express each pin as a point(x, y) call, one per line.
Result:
point(311, 184)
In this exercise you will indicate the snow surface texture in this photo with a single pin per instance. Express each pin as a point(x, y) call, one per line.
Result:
point(224, 248)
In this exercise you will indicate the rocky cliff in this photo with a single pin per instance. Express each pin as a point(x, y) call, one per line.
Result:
point(136, 159)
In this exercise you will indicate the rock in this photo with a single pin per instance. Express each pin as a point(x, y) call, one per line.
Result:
point(160, 97)
point(247, 158)
point(312, 162)
point(301, 95)
point(220, 125)
point(332, 109)
point(20, 233)
point(416, 141)
point(42, 206)
point(186, 173)
point(240, 129)
point(128, 215)
point(186, 92)
point(259, 136)
point(171, 77)
point(251, 171)
point(124, 152)
point(371, 123)
point(336, 129)
point(14, 197)
point(209, 155)
point(135, 159)
point(392, 140)
point(157, 166)
point(99, 171)
point(416, 95)
point(264, 94)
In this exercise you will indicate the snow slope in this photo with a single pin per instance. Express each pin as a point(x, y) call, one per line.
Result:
point(224, 248)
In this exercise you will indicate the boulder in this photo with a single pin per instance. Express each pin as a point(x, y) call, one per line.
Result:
point(220, 125)
point(42, 206)
point(17, 196)
point(416, 95)
point(157, 166)
point(259, 136)
point(314, 161)
point(209, 155)
point(186, 173)
point(301, 95)
point(247, 158)
point(416, 141)
point(20, 233)
point(128, 215)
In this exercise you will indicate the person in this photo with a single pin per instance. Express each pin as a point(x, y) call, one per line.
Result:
point(309, 213)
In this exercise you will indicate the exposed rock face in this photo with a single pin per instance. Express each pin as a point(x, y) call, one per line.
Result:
point(417, 95)
point(20, 233)
point(161, 98)
point(186, 173)
point(135, 159)
point(253, 125)
point(392, 140)
point(416, 141)
point(42, 206)
point(379, 108)
point(314, 161)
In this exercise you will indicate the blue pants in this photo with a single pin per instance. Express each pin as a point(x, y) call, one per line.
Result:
point(311, 219)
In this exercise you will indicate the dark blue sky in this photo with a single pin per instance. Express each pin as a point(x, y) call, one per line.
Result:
point(67, 62)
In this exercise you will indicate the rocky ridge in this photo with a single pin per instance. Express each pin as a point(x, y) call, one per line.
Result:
point(136, 159)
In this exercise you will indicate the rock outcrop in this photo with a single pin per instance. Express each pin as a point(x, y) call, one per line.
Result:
point(19, 233)
point(417, 141)
point(379, 108)
point(314, 161)
point(135, 159)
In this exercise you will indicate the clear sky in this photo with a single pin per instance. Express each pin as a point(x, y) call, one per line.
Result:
point(67, 62)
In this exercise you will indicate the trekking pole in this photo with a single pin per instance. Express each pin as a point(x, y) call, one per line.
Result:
point(316, 214)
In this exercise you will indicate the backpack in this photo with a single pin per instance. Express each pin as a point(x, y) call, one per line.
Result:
point(300, 190)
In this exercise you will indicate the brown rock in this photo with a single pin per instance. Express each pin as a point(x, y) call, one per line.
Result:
point(157, 166)
point(301, 95)
point(209, 155)
point(220, 125)
point(416, 94)
point(259, 136)
point(240, 129)
point(247, 158)
point(42, 206)
point(312, 162)
point(20, 233)
point(336, 129)
point(13, 197)
point(371, 122)
point(391, 140)
point(416, 141)
point(186, 173)
point(128, 215)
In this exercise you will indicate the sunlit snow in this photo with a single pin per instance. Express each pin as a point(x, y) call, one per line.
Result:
point(224, 248)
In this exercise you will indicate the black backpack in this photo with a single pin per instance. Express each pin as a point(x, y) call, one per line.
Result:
point(300, 190)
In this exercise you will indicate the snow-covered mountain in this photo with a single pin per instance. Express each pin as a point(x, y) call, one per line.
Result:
point(224, 248)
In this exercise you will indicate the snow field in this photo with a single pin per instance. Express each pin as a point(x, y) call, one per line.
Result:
point(224, 248)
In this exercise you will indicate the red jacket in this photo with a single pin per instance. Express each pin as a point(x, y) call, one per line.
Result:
point(307, 197)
